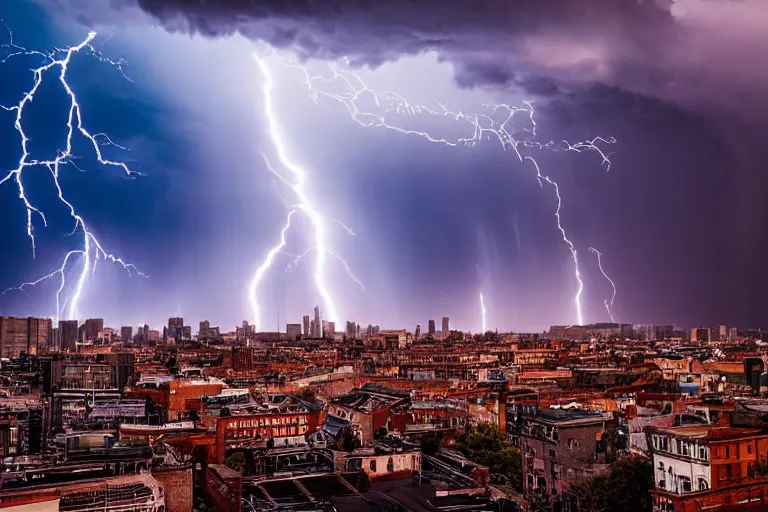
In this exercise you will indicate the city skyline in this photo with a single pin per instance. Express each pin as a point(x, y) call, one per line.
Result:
point(426, 228)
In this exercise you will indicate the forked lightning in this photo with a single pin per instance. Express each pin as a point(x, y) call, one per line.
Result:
point(91, 250)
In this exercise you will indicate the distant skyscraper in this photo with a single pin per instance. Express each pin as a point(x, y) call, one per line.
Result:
point(732, 333)
point(431, 328)
point(186, 332)
point(68, 334)
point(627, 330)
point(145, 333)
point(204, 331)
point(126, 334)
point(55, 338)
point(39, 334)
point(90, 330)
point(293, 331)
point(417, 334)
point(175, 328)
point(446, 325)
point(318, 325)
point(331, 332)
point(307, 333)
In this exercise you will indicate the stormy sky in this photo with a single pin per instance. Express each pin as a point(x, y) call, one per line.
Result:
point(679, 217)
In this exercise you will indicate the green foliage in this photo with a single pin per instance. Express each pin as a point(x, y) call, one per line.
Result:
point(485, 444)
point(625, 486)
point(307, 394)
point(430, 442)
point(236, 461)
point(345, 442)
point(760, 469)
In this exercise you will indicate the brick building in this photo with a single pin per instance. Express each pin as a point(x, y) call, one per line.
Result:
point(19, 335)
point(560, 446)
point(243, 430)
point(706, 466)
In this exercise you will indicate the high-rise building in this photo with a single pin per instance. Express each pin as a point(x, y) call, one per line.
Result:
point(431, 327)
point(627, 331)
point(417, 333)
point(293, 331)
point(126, 334)
point(90, 330)
point(733, 332)
point(39, 334)
point(186, 332)
point(701, 334)
point(14, 336)
point(331, 331)
point(446, 325)
point(318, 325)
point(68, 334)
point(203, 331)
point(19, 335)
point(55, 343)
point(175, 328)
point(305, 320)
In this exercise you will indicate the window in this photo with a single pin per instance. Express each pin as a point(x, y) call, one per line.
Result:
point(685, 484)
point(703, 485)
point(749, 448)
point(702, 453)
point(390, 465)
point(573, 444)
point(530, 481)
point(662, 484)
point(372, 465)
point(728, 453)
point(551, 453)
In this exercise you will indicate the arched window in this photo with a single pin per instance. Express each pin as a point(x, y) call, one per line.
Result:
point(373, 465)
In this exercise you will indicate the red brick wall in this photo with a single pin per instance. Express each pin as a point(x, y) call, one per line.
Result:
point(177, 484)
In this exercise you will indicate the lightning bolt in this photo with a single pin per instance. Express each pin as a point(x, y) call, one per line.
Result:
point(297, 184)
point(483, 312)
point(608, 304)
point(496, 123)
point(92, 249)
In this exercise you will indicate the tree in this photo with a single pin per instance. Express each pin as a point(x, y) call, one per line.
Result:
point(625, 486)
point(345, 442)
point(430, 442)
point(485, 444)
point(236, 461)
point(307, 394)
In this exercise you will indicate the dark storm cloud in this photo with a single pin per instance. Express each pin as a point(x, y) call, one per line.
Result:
point(705, 53)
